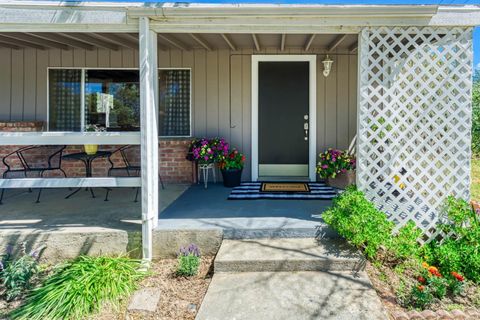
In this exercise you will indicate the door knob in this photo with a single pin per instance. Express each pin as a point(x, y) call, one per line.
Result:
point(305, 129)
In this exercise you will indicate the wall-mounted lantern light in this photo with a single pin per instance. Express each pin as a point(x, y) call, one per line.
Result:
point(327, 66)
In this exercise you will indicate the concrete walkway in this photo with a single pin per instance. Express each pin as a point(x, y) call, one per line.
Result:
point(272, 279)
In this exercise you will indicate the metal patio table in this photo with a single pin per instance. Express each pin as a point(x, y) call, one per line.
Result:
point(87, 160)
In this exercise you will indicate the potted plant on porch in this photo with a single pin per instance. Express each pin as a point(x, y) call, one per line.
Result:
point(231, 167)
point(337, 167)
point(92, 148)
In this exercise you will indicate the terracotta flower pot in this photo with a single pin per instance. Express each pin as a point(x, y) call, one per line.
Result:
point(342, 180)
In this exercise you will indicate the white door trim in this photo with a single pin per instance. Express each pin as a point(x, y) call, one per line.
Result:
point(312, 133)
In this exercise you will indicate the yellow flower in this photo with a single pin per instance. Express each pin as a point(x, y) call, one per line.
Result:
point(425, 265)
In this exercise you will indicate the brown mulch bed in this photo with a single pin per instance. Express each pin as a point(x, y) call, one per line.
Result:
point(180, 297)
point(386, 281)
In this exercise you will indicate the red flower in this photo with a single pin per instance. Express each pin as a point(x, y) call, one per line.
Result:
point(434, 272)
point(458, 276)
point(421, 279)
point(421, 288)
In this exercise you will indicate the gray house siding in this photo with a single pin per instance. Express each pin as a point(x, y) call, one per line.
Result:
point(221, 97)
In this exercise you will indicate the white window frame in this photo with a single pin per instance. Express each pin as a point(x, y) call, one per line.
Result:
point(82, 99)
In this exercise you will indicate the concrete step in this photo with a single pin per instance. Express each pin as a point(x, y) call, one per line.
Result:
point(319, 230)
point(291, 295)
point(288, 254)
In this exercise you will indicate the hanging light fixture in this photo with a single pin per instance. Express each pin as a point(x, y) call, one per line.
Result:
point(327, 66)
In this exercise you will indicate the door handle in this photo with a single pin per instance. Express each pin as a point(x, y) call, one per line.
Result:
point(305, 129)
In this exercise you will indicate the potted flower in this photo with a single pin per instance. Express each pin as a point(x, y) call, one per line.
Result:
point(231, 167)
point(337, 167)
point(92, 148)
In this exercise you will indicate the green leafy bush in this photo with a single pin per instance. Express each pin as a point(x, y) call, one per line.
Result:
point(461, 251)
point(78, 288)
point(188, 261)
point(356, 219)
point(476, 115)
point(16, 274)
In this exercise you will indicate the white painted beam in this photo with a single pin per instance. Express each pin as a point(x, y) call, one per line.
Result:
point(282, 42)
point(68, 138)
point(115, 39)
point(256, 42)
point(174, 42)
point(21, 43)
point(335, 43)
point(149, 133)
point(353, 48)
point(229, 42)
point(103, 182)
point(9, 46)
point(91, 40)
point(309, 42)
point(61, 39)
point(38, 41)
point(201, 41)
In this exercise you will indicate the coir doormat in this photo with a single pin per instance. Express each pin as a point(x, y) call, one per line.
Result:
point(282, 191)
point(285, 187)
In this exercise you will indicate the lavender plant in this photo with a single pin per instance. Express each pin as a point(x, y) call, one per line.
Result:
point(188, 260)
point(16, 274)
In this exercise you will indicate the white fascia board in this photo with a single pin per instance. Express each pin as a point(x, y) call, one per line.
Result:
point(457, 15)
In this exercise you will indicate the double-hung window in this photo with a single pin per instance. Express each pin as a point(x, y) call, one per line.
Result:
point(109, 99)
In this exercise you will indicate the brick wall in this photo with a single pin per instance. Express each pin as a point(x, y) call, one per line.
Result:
point(173, 166)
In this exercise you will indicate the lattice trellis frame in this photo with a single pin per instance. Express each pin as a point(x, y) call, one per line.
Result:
point(414, 120)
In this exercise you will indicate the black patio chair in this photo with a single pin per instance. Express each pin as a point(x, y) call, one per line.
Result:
point(32, 162)
point(129, 165)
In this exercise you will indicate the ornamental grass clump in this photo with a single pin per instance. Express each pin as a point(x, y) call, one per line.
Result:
point(188, 261)
point(79, 288)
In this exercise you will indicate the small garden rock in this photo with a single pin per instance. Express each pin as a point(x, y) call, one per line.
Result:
point(145, 299)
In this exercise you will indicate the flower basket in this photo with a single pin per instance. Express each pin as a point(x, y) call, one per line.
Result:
point(342, 179)
point(337, 167)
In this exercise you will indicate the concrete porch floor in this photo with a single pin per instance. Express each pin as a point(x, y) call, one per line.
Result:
point(208, 209)
point(83, 224)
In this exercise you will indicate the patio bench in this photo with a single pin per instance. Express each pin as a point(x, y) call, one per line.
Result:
point(32, 162)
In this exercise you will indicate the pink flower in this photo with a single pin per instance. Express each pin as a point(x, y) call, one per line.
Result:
point(343, 170)
point(325, 166)
point(206, 158)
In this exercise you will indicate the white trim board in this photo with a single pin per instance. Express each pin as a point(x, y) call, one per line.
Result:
point(312, 133)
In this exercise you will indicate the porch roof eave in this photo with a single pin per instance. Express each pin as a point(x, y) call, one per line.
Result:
point(235, 18)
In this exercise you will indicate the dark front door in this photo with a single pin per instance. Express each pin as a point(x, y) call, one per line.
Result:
point(283, 104)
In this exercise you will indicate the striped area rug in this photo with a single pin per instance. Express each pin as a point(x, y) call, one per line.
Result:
point(252, 190)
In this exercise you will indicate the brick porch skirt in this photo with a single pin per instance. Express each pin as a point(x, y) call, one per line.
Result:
point(173, 166)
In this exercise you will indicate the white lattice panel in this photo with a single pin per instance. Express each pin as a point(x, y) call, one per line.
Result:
point(414, 120)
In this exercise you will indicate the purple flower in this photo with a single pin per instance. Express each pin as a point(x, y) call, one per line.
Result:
point(343, 170)
point(9, 250)
point(205, 158)
point(191, 249)
point(325, 166)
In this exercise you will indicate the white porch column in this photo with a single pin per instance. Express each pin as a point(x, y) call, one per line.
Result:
point(149, 134)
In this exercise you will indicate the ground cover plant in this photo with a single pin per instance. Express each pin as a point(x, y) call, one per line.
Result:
point(80, 287)
point(440, 274)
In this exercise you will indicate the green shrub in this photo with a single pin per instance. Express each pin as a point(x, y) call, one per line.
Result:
point(16, 274)
point(78, 288)
point(461, 251)
point(356, 219)
point(420, 297)
point(476, 115)
point(188, 261)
